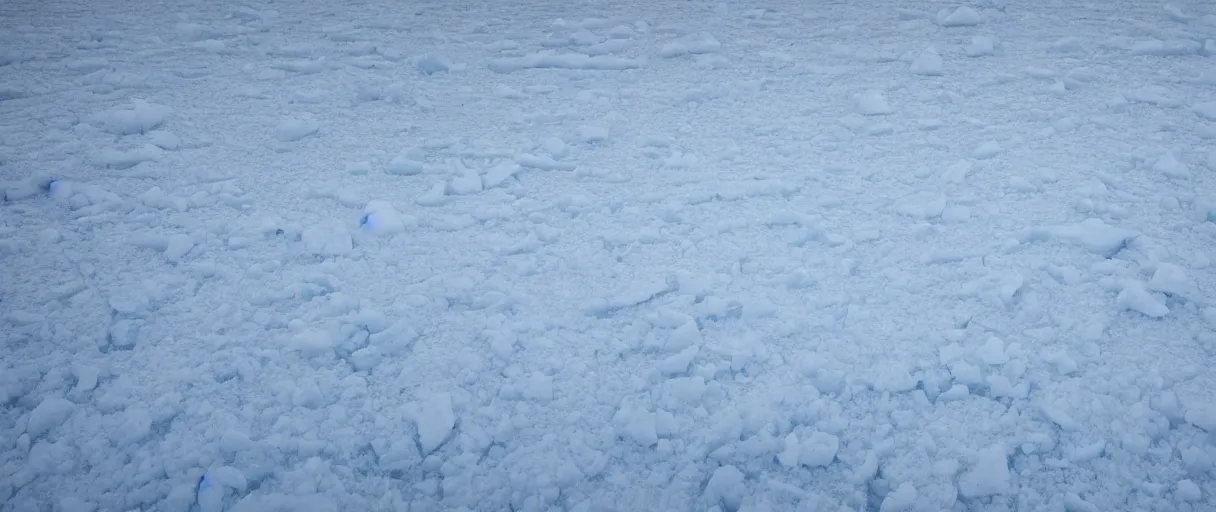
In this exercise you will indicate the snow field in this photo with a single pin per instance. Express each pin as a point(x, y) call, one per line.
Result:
point(645, 256)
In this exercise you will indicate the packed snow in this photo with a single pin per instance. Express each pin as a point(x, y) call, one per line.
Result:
point(599, 256)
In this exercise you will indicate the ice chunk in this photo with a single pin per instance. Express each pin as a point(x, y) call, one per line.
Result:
point(868, 468)
point(136, 425)
point(636, 424)
point(955, 393)
point(538, 387)
point(1202, 417)
point(986, 150)
point(434, 419)
point(791, 454)
point(921, 205)
point(381, 218)
point(499, 174)
point(1096, 236)
point(1135, 297)
point(962, 17)
point(1205, 110)
point(1169, 165)
point(1172, 279)
point(293, 129)
point(1188, 491)
point(403, 165)
point(591, 134)
point(928, 63)
point(50, 413)
point(1074, 503)
point(993, 351)
point(86, 377)
point(902, 498)
point(469, 182)
point(685, 336)
point(124, 333)
point(178, 246)
point(164, 140)
point(691, 45)
point(564, 61)
point(314, 341)
point(72, 504)
point(873, 103)
point(119, 159)
point(989, 476)
point(233, 441)
point(399, 336)
point(727, 487)
point(431, 64)
point(819, 450)
point(366, 358)
point(140, 117)
point(543, 162)
point(678, 363)
point(51, 458)
point(323, 241)
point(210, 494)
point(981, 46)
point(1059, 415)
point(435, 196)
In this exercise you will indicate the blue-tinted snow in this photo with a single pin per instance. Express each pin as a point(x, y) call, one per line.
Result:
point(599, 256)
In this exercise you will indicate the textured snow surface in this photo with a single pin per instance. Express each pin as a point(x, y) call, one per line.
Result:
point(605, 256)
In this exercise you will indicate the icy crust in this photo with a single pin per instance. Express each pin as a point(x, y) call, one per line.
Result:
point(644, 256)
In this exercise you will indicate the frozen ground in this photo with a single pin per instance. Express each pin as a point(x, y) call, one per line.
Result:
point(600, 256)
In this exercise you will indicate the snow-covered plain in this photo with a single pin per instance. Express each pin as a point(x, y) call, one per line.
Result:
point(601, 256)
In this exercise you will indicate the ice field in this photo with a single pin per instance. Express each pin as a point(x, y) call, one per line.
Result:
point(588, 256)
